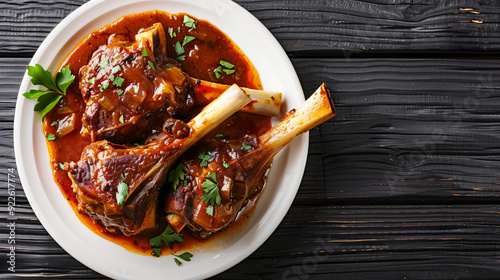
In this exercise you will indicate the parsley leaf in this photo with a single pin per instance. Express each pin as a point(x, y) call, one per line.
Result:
point(210, 210)
point(225, 164)
point(116, 69)
point(204, 159)
point(226, 64)
point(157, 251)
point(181, 57)
point(228, 71)
point(189, 22)
point(122, 193)
point(168, 236)
point(246, 146)
point(211, 195)
point(152, 65)
point(51, 137)
point(47, 100)
point(177, 262)
point(186, 256)
point(144, 51)
point(187, 39)
point(177, 174)
point(178, 48)
point(118, 81)
point(42, 77)
point(64, 79)
point(171, 32)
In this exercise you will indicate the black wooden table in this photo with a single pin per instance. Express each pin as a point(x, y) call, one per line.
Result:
point(402, 184)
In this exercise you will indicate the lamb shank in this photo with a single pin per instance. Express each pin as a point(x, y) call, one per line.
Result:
point(229, 175)
point(118, 185)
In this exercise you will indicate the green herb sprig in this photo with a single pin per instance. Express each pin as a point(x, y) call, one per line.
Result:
point(168, 236)
point(212, 194)
point(177, 174)
point(48, 99)
point(224, 67)
point(186, 256)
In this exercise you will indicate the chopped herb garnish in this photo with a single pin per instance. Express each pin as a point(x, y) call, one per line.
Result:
point(187, 39)
point(53, 123)
point(211, 195)
point(179, 29)
point(56, 87)
point(181, 58)
point(118, 81)
point(178, 48)
point(122, 193)
point(225, 164)
point(177, 174)
point(177, 262)
point(226, 64)
point(171, 32)
point(218, 135)
point(246, 146)
point(212, 176)
point(168, 236)
point(120, 92)
point(111, 77)
point(152, 65)
point(217, 72)
point(92, 81)
point(204, 159)
point(189, 22)
point(61, 165)
point(157, 251)
point(116, 69)
point(144, 51)
point(210, 210)
point(121, 119)
point(51, 137)
point(228, 71)
point(103, 63)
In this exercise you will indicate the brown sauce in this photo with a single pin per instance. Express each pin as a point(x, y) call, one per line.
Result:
point(202, 57)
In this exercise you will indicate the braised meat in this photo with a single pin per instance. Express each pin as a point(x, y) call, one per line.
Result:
point(228, 175)
point(118, 185)
point(131, 88)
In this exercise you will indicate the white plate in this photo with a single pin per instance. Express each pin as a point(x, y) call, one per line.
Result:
point(105, 257)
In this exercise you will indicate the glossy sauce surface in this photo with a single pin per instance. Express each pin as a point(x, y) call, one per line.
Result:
point(201, 58)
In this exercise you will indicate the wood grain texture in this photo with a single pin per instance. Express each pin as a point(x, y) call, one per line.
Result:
point(321, 242)
point(314, 28)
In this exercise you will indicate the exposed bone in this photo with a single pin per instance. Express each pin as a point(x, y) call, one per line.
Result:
point(267, 103)
point(249, 170)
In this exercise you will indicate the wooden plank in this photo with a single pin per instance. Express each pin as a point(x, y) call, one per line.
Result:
point(406, 129)
point(314, 28)
point(343, 242)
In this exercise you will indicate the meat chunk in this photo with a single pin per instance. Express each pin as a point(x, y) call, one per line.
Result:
point(130, 88)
